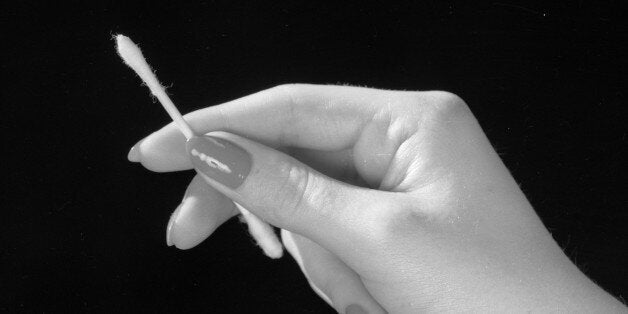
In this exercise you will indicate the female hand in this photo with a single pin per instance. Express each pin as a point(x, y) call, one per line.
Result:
point(388, 200)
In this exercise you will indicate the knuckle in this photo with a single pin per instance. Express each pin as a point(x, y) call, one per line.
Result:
point(391, 218)
point(288, 94)
point(449, 105)
point(435, 106)
point(287, 91)
point(293, 191)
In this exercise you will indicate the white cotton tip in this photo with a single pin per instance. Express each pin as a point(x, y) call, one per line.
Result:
point(263, 234)
point(130, 52)
point(133, 57)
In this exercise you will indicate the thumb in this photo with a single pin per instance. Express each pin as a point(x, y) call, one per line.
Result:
point(281, 190)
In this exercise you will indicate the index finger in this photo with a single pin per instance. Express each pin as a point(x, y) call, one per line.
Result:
point(327, 118)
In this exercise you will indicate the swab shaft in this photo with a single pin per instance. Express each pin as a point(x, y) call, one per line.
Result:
point(158, 91)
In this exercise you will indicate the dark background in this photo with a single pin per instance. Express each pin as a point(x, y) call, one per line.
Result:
point(83, 229)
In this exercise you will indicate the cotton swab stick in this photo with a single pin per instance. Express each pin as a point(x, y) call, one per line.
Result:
point(131, 54)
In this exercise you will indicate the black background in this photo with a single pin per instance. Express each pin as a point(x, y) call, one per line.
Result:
point(83, 229)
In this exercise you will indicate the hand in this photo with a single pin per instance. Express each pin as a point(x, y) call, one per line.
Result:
point(388, 200)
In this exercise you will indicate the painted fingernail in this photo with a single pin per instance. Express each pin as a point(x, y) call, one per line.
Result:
point(219, 159)
point(355, 309)
point(171, 226)
point(134, 154)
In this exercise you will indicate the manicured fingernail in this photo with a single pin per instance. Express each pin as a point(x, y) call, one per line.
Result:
point(355, 309)
point(219, 159)
point(134, 154)
point(170, 228)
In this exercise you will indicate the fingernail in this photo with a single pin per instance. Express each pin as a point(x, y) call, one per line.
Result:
point(219, 159)
point(355, 309)
point(170, 228)
point(134, 154)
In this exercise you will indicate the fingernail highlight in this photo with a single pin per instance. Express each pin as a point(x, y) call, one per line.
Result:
point(170, 228)
point(355, 309)
point(134, 154)
point(219, 159)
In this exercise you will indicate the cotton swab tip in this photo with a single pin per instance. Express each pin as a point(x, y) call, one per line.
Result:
point(133, 57)
point(129, 51)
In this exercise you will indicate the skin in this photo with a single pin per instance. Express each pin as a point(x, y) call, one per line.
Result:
point(391, 200)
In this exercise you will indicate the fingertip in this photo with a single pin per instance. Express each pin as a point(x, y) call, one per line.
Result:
point(171, 223)
point(189, 225)
point(201, 212)
point(161, 152)
point(184, 244)
point(178, 234)
point(134, 154)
